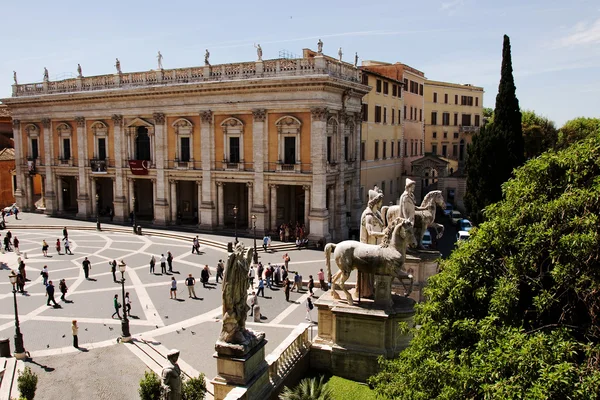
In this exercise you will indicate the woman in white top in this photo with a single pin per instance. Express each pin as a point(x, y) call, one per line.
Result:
point(173, 288)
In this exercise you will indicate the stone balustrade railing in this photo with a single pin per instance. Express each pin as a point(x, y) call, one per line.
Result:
point(283, 359)
point(258, 69)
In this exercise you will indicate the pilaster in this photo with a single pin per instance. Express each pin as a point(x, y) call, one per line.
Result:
point(259, 140)
point(48, 161)
point(21, 190)
point(319, 215)
point(207, 209)
point(83, 198)
point(119, 199)
point(161, 202)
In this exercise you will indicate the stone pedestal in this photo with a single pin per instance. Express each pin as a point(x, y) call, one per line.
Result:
point(249, 371)
point(421, 264)
point(351, 338)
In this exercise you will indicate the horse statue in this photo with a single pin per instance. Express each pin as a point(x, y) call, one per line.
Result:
point(423, 218)
point(386, 258)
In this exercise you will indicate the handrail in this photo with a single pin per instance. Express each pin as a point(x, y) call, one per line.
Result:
point(284, 357)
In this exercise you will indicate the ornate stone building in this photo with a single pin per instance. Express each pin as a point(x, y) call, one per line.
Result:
point(276, 138)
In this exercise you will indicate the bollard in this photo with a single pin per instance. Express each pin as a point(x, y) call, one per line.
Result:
point(256, 312)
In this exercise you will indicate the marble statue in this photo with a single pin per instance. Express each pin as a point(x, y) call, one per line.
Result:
point(320, 47)
point(371, 226)
point(386, 258)
point(234, 338)
point(206, 57)
point(407, 201)
point(15, 77)
point(45, 74)
point(340, 54)
point(118, 66)
point(171, 377)
point(159, 57)
point(356, 60)
point(259, 51)
point(79, 73)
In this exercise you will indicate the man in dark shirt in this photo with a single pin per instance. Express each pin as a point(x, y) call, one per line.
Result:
point(86, 267)
point(50, 294)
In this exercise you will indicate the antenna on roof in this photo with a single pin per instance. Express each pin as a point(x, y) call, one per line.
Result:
point(287, 54)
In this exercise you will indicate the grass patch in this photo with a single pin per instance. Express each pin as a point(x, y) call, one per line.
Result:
point(345, 389)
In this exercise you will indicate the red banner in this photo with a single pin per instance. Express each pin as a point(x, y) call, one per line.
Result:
point(139, 167)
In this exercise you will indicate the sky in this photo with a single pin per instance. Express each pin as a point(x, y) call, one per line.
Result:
point(555, 44)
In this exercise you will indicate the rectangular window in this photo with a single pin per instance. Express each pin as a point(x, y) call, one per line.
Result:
point(420, 114)
point(434, 118)
point(476, 101)
point(391, 149)
point(399, 116)
point(406, 84)
point(66, 149)
point(399, 148)
point(404, 112)
point(394, 90)
point(434, 149)
point(346, 147)
point(411, 113)
point(393, 112)
point(378, 86)
point(365, 79)
point(445, 135)
point(329, 141)
point(476, 120)
point(383, 186)
point(405, 148)
point(378, 114)
point(362, 151)
point(34, 149)
point(391, 186)
point(434, 135)
point(446, 98)
point(466, 119)
point(466, 100)
point(455, 150)
point(365, 112)
point(101, 148)
point(385, 115)
point(434, 97)
point(234, 150)
point(455, 135)
point(446, 119)
point(455, 119)
point(377, 150)
point(384, 149)
point(456, 99)
point(421, 89)
point(184, 155)
point(386, 89)
point(289, 150)
point(444, 150)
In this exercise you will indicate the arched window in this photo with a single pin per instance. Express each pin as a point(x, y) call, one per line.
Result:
point(64, 136)
point(184, 130)
point(33, 141)
point(288, 133)
point(100, 132)
point(142, 144)
point(233, 143)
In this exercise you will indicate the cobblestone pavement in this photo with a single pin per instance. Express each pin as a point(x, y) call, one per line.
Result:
point(191, 325)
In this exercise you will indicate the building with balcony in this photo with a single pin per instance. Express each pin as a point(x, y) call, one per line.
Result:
point(275, 138)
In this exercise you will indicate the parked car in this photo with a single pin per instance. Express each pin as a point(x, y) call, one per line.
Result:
point(465, 225)
point(456, 216)
point(462, 236)
point(427, 242)
point(448, 210)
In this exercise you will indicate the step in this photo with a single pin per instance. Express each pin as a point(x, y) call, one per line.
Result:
point(9, 378)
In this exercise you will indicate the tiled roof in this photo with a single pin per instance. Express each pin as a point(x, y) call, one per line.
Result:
point(7, 154)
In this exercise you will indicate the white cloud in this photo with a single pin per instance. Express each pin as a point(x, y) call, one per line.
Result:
point(451, 5)
point(584, 33)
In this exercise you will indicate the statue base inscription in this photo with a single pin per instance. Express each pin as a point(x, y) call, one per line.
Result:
point(351, 338)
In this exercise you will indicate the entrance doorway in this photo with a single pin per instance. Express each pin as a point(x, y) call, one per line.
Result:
point(187, 202)
point(290, 205)
point(69, 194)
point(144, 199)
point(235, 195)
point(104, 189)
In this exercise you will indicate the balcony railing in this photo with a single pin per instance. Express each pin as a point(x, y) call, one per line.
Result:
point(98, 166)
point(65, 162)
point(297, 168)
point(468, 129)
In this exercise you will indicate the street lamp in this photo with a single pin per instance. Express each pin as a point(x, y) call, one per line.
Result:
point(20, 353)
point(254, 228)
point(98, 227)
point(133, 198)
point(235, 210)
point(125, 321)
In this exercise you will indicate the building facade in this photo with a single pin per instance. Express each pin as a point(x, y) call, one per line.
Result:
point(278, 139)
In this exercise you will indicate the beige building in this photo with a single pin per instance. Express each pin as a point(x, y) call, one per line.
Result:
point(278, 139)
point(453, 113)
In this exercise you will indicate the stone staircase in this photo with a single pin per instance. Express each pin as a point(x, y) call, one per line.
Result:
point(9, 372)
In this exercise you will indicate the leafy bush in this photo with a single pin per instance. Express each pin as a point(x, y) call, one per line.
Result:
point(308, 389)
point(194, 388)
point(27, 383)
point(149, 386)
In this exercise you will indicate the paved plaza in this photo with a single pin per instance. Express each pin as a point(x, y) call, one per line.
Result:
point(157, 323)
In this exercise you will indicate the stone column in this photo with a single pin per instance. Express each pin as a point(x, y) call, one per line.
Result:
point(83, 198)
point(21, 190)
point(306, 205)
point(48, 161)
point(173, 200)
point(273, 206)
point(332, 209)
point(319, 215)
point(59, 183)
point(119, 200)
point(93, 196)
point(29, 192)
point(43, 199)
point(341, 229)
point(130, 183)
point(249, 185)
point(357, 205)
point(206, 212)
point(220, 205)
point(259, 143)
point(161, 202)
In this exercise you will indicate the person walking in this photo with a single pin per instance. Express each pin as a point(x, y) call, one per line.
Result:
point(163, 264)
point(127, 301)
point(44, 248)
point(16, 212)
point(265, 243)
point(321, 276)
point(44, 273)
point(87, 266)
point(311, 284)
point(50, 294)
point(173, 291)
point(117, 305)
point(65, 233)
point(58, 246)
point(253, 302)
point(170, 261)
point(259, 270)
point(204, 275)
point(278, 275)
point(268, 275)
point(196, 246)
point(190, 282)
point(113, 269)
point(220, 270)
point(261, 288)
point(286, 284)
point(16, 245)
point(22, 270)
point(251, 275)
point(67, 247)
point(20, 283)
point(309, 307)
point(286, 260)
point(75, 330)
point(296, 284)
point(152, 264)
point(6, 243)
point(62, 286)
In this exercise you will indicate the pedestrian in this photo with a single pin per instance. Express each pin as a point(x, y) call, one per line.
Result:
point(113, 269)
point(58, 246)
point(196, 245)
point(44, 248)
point(265, 242)
point(284, 273)
point(16, 245)
point(152, 264)
point(163, 264)
point(67, 247)
point(251, 275)
point(62, 286)
point(65, 233)
point(75, 330)
point(111, 213)
point(173, 291)
point(6, 243)
point(170, 261)
point(261, 287)
point(16, 211)
point(268, 275)
point(190, 282)
point(286, 284)
point(20, 283)
point(296, 285)
point(311, 284)
point(278, 276)
point(127, 310)
point(87, 265)
point(50, 294)
point(309, 307)
point(321, 276)
point(253, 302)
point(260, 270)
point(204, 274)
point(117, 305)
point(44, 273)
point(286, 260)
point(220, 270)
point(22, 270)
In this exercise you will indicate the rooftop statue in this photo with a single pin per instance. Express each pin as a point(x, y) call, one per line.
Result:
point(340, 54)
point(15, 77)
point(320, 47)
point(46, 74)
point(206, 57)
point(79, 74)
point(118, 66)
point(355, 59)
point(159, 57)
point(259, 52)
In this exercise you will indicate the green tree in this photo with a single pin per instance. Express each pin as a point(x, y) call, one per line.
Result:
point(308, 389)
point(194, 388)
point(488, 114)
point(27, 383)
point(498, 148)
point(539, 134)
point(149, 386)
point(515, 311)
point(577, 129)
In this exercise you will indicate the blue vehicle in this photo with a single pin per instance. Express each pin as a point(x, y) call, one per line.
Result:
point(448, 210)
point(465, 225)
